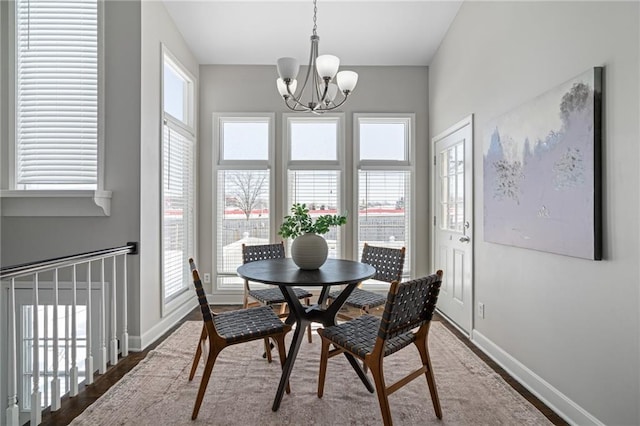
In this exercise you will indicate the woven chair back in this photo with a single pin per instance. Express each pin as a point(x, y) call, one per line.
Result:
point(262, 252)
point(207, 315)
point(409, 305)
point(389, 262)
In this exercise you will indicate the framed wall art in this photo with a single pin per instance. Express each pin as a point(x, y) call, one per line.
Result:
point(542, 171)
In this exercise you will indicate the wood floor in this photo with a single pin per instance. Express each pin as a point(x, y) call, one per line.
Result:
point(72, 407)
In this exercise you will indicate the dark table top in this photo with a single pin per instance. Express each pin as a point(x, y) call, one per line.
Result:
point(285, 272)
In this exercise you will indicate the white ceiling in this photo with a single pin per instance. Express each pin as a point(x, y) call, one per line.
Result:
point(359, 32)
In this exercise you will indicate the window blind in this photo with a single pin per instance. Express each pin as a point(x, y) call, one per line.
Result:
point(178, 211)
point(56, 94)
point(384, 205)
point(242, 215)
point(320, 191)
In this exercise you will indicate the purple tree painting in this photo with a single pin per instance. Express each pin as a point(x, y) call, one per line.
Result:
point(542, 171)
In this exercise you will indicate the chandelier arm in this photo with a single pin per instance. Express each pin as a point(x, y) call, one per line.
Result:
point(296, 103)
point(344, 99)
point(324, 95)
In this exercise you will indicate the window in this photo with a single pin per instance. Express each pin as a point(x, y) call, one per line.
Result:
point(244, 159)
point(314, 167)
point(452, 192)
point(384, 185)
point(57, 92)
point(178, 176)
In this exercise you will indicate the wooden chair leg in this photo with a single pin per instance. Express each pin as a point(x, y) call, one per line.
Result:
point(421, 344)
point(213, 354)
point(196, 358)
point(282, 354)
point(267, 349)
point(324, 357)
point(381, 390)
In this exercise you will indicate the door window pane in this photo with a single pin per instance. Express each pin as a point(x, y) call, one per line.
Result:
point(452, 187)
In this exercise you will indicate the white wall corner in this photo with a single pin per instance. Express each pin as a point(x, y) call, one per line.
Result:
point(545, 392)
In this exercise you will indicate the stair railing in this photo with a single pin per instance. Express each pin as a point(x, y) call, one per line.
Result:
point(27, 278)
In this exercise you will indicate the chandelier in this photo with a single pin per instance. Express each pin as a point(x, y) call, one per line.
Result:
point(320, 79)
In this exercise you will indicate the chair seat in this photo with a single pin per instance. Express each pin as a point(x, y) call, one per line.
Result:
point(359, 336)
point(270, 296)
point(247, 324)
point(361, 299)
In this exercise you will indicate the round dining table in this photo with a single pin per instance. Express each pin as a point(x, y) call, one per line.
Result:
point(286, 275)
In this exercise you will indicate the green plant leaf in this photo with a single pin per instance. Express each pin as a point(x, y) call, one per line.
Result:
point(300, 222)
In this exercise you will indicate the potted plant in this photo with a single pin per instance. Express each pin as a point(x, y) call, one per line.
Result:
point(309, 250)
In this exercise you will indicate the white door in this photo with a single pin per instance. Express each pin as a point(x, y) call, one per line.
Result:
point(453, 221)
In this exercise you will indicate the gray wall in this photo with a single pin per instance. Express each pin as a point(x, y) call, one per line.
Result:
point(252, 89)
point(568, 327)
point(157, 28)
point(26, 239)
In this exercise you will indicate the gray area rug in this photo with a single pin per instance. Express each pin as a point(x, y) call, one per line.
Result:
point(243, 385)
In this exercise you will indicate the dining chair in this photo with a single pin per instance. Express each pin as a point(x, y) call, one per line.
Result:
point(231, 328)
point(269, 296)
point(389, 264)
point(409, 305)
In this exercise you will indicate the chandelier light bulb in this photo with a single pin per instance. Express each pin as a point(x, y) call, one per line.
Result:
point(288, 68)
point(347, 81)
point(282, 87)
point(332, 91)
point(327, 66)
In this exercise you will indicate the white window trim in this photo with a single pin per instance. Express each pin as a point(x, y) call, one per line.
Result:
point(220, 164)
point(408, 119)
point(409, 165)
point(173, 304)
point(51, 203)
point(339, 164)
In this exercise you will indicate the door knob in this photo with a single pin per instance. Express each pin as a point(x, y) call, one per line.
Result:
point(464, 239)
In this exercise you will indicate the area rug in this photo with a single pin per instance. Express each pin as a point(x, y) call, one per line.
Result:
point(243, 386)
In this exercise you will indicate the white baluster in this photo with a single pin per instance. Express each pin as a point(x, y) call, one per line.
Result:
point(103, 331)
point(125, 334)
point(113, 352)
point(45, 351)
point(12, 413)
point(55, 382)
point(73, 371)
point(36, 410)
point(67, 351)
point(88, 362)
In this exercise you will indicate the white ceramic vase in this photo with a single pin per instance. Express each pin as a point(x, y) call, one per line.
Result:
point(309, 251)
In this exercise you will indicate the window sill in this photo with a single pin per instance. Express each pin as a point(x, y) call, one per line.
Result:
point(55, 203)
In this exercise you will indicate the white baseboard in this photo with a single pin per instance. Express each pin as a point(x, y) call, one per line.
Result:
point(544, 391)
point(139, 343)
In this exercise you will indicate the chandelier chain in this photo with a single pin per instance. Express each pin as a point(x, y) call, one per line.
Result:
point(315, 11)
